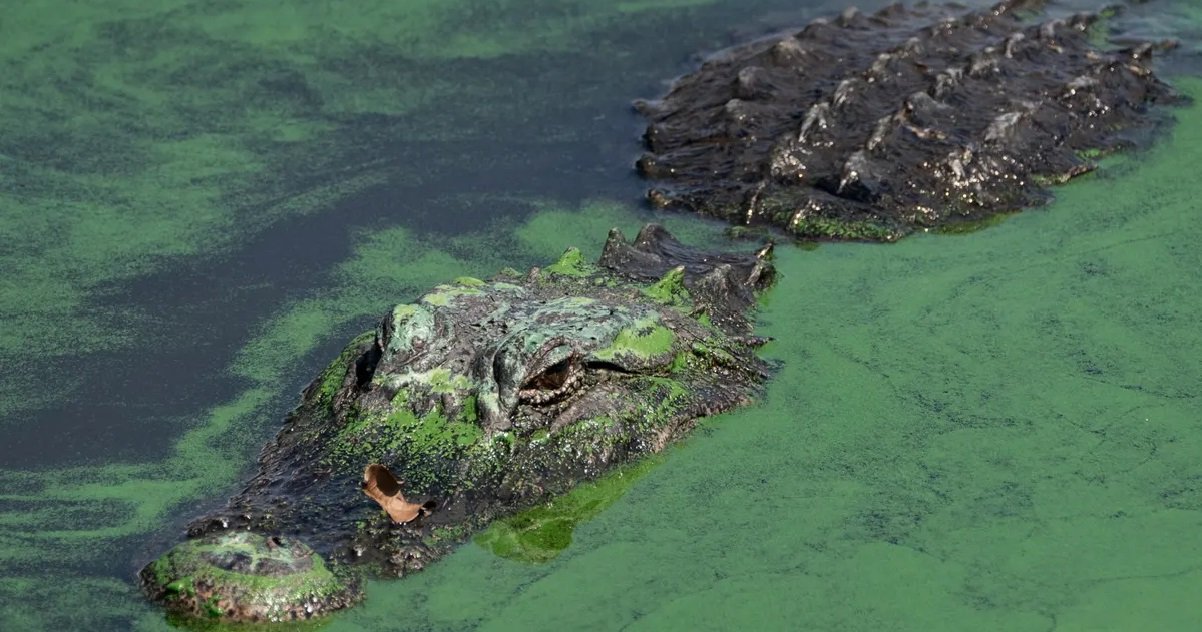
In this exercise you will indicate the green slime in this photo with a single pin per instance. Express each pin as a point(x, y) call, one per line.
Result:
point(135, 136)
point(988, 430)
point(994, 430)
point(541, 533)
point(74, 514)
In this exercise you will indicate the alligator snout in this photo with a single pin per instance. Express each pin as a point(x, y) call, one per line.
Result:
point(246, 576)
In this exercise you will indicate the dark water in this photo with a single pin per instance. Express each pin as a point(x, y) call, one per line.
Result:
point(201, 201)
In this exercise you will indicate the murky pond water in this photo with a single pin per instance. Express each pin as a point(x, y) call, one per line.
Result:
point(200, 202)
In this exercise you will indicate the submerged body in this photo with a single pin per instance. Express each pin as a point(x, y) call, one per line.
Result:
point(874, 126)
point(483, 398)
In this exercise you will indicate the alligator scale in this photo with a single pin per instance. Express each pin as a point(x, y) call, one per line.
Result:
point(483, 398)
point(872, 126)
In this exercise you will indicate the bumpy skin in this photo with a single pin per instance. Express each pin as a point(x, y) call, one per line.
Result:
point(873, 126)
point(246, 576)
point(488, 397)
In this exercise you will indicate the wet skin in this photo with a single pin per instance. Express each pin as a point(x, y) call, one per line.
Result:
point(484, 398)
point(874, 126)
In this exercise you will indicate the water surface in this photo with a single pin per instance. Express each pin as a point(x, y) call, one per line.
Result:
point(201, 201)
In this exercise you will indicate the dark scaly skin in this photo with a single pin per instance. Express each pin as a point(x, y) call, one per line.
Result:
point(486, 397)
point(874, 126)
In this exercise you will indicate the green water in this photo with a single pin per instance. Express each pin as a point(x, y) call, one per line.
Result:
point(997, 430)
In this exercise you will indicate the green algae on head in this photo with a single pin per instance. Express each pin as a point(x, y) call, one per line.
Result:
point(488, 396)
point(240, 576)
point(572, 263)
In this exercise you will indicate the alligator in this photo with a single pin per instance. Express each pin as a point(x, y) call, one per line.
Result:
point(874, 126)
point(479, 400)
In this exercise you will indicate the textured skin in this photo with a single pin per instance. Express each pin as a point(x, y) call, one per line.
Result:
point(276, 579)
point(487, 397)
point(873, 126)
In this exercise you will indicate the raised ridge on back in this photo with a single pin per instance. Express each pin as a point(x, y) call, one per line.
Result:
point(871, 126)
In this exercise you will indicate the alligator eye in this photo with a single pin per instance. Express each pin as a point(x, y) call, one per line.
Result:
point(553, 378)
point(552, 383)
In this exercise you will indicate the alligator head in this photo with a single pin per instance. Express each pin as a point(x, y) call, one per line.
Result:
point(483, 398)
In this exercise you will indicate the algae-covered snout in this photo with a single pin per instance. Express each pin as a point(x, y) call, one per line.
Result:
point(242, 576)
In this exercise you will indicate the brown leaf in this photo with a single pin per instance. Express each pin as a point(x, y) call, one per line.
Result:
point(381, 486)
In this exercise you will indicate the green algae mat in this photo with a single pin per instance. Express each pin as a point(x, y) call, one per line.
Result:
point(999, 430)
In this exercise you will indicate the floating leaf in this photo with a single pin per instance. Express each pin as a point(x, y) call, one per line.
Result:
point(381, 486)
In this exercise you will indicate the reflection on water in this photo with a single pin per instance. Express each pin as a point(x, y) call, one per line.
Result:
point(202, 201)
